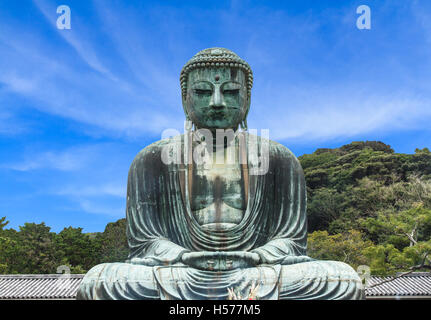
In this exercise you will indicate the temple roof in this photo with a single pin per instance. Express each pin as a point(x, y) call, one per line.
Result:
point(57, 286)
point(411, 285)
point(39, 286)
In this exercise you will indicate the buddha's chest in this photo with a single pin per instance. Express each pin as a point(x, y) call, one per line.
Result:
point(218, 195)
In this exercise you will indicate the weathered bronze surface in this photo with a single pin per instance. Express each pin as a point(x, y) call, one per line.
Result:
point(196, 229)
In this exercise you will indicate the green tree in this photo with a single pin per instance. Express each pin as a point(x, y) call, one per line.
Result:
point(347, 247)
point(400, 229)
point(4, 245)
point(80, 251)
point(386, 260)
point(7, 248)
point(3, 223)
point(383, 258)
point(113, 242)
point(325, 205)
point(404, 240)
point(35, 251)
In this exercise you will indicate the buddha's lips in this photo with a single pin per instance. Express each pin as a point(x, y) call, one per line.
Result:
point(217, 114)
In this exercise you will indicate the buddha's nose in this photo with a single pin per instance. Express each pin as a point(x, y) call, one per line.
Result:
point(217, 101)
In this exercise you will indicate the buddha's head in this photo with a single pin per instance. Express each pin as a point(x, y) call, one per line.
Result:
point(216, 89)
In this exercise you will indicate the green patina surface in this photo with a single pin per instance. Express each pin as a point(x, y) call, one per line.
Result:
point(196, 230)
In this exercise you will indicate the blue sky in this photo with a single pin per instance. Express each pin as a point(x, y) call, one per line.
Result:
point(77, 105)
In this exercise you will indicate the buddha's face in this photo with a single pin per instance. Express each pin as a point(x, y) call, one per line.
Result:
point(216, 97)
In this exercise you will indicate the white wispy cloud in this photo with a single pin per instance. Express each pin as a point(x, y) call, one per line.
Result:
point(51, 76)
point(83, 48)
point(108, 189)
point(98, 208)
point(143, 96)
point(115, 76)
point(318, 115)
point(372, 87)
point(9, 125)
point(72, 159)
point(99, 197)
point(89, 178)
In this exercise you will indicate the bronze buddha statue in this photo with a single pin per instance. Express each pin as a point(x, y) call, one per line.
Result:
point(229, 212)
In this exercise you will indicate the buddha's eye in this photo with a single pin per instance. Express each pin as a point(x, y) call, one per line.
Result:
point(201, 91)
point(231, 88)
point(231, 91)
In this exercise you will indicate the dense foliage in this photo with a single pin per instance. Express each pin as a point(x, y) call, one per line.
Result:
point(367, 205)
point(35, 249)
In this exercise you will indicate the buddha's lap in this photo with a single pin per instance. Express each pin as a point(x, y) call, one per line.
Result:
point(294, 274)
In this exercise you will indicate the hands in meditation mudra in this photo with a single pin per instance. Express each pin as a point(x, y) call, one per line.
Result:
point(217, 208)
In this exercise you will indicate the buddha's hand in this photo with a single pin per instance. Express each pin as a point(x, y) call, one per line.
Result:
point(220, 260)
point(296, 259)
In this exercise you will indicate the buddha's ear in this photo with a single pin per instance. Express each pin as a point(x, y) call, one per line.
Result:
point(184, 101)
point(188, 121)
point(247, 107)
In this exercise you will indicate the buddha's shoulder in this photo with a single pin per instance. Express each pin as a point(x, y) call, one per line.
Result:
point(153, 151)
point(276, 149)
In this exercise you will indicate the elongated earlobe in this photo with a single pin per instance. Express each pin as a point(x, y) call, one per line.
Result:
point(188, 124)
point(244, 125)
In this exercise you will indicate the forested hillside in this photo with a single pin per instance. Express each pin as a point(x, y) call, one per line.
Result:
point(35, 249)
point(367, 205)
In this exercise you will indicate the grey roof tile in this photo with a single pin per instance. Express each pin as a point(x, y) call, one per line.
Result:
point(45, 286)
point(414, 284)
point(55, 286)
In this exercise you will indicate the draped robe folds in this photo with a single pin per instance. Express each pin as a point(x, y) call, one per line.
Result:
point(161, 227)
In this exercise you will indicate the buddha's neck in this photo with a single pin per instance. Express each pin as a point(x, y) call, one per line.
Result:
point(217, 144)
